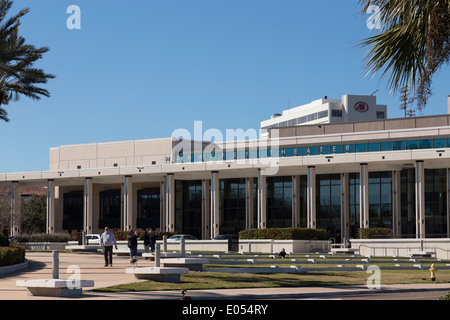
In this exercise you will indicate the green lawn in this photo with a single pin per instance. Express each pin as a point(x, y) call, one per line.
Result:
point(215, 280)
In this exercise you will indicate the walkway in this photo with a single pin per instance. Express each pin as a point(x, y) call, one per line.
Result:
point(91, 266)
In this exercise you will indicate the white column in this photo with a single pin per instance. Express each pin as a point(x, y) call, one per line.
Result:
point(261, 200)
point(364, 196)
point(88, 200)
point(448, 199)
point(311, 197)
point(50, 206)
point(345, 208)
point(128, 222)
point(15, 209)
point(162, 207)
point(214, 204)
point(295, 201)
point(249, 206)
point(396, 204)
point(205, 209)
point(420, 199)
point(170, 203)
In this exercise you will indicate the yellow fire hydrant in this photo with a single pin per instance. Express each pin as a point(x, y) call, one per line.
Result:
point(433, 272)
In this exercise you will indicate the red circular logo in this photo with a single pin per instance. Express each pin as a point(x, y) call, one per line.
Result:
point(361, 107)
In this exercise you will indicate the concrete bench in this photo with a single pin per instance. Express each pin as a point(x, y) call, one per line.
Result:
point(55, 287)
point(343, 251)
point(164, 274)
point(83, 248)
point(151, 255)
point(420, 254)
point(193, 264)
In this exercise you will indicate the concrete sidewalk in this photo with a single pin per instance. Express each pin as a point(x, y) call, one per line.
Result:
point(91, 266)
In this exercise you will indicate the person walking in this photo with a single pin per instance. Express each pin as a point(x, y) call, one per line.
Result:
point(107, 240)
point(152, 241)
point(146, 241)
point(132, 244)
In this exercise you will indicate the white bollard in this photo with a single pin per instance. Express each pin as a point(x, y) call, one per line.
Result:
point(55, 264)
point(157, 255)
point(183, 248)
point(164, 243)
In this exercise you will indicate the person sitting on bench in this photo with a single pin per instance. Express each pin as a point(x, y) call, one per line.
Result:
point(282, 254)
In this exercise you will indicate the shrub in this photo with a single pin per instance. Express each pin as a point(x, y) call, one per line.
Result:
point(45, 237)
point(284, 234)
point(4, 241)
point(374, 233)
point(12, 255)
point(122, 235)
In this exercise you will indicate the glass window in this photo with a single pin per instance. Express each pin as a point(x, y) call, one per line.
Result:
point(336, 113)
point(373, 147)
point(336, 149)
point(426, 144)
point(412, 144)
point(324, 150)
point(386, 146)
point(348, 148)
point(301, 151)
point(148, 208)
point(399, 145)
point(311, 151)
point(253, 154)
point(439, 143)
point(322, 114)
point(279, 202)
point(361, 147)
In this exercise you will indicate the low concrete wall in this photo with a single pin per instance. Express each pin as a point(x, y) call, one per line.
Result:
point(294, 246)
point(44, 245)
point(245, 245)
point(401, 247)
point(14, 267)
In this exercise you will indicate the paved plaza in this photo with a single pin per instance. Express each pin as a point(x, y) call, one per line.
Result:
point(91, 267)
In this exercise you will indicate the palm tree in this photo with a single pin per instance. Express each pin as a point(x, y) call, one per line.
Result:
point(18, 76)
point(413, 43)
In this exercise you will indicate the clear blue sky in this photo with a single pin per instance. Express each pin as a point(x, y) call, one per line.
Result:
point(141, 69)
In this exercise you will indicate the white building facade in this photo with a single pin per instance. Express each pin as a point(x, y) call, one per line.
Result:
point(391, 173)
point(350, 108)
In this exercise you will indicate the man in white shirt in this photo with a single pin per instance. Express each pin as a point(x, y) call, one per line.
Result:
point(107, 240)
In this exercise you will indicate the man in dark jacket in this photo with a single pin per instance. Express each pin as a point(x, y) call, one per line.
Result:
point(132, 244)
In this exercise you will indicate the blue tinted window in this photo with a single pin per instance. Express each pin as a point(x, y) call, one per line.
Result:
point(412, 144)
point(311, 151)
point(386, 146)
point(336, 149)
point(399, 145)
point(288, 152)
point(324, 150)
point(348, 148)
point(301, 151)
point(264, 153)
point(361, 147)
point(253, 154)
point(426, 144)
point(241, 154)
point(374, 147)
point(439, 143)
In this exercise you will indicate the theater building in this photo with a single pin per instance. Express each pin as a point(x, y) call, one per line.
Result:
point(390, 173)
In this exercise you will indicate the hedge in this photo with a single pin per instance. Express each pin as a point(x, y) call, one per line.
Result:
point(284, 234)
point(13, 254)
point(374, 233)
point(122, 235)
point(4, 241)
point(46, 237)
